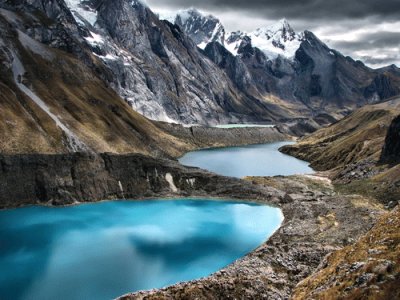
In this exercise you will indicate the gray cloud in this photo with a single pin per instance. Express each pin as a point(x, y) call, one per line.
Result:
point(383, 39)
point(368, 30)
point(294, 9)
point(377, 61)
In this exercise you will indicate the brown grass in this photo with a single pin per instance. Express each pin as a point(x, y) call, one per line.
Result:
point(369, 269)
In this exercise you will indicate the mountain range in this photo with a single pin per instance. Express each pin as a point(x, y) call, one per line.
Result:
point(296, 70)
point(187, 69)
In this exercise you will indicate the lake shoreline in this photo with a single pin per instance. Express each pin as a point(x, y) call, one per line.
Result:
point(124, 231)
point(249, 160)
point(292, 253)
point(64, 179)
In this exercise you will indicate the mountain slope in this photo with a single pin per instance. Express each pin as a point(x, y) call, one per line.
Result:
point(369, 269)
point(159, 70)
point(360, 136)
point(358, 152)
point(52, 103)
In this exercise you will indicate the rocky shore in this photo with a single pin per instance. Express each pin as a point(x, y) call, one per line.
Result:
point(206, 137)
point(317, 222)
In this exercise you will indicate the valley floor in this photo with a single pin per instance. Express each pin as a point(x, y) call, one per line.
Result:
point(320, 219)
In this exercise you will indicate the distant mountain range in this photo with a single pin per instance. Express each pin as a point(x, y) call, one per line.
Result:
point(297, 70)
point(188, 69)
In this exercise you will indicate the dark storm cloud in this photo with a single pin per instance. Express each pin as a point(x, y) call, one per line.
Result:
point(298, 9)
point(382, 39)
point(377, 61)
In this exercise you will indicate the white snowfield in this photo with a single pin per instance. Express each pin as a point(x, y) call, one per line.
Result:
point(278, 39)
point(82, 12)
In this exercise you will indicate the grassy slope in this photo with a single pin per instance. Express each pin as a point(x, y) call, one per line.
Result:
point(369, 269)
point(357, 137)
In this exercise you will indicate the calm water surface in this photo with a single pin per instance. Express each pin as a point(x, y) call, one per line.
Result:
point(228, 126)
point(104, 250)
point(255, 160)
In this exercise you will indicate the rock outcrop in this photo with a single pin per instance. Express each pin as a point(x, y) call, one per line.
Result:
point(391, 148)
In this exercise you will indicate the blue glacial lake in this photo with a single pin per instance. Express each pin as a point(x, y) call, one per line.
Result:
point(104, 250)
point(254, 160)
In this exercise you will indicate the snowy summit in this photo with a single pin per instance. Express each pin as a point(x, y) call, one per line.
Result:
point(277, 39)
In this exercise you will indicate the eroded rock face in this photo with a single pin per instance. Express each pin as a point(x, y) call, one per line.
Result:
point(160, 71)
point(71, 178)
point(391, 148)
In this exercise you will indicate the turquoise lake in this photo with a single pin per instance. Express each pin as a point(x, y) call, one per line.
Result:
point(255, 160)
point(104, 250)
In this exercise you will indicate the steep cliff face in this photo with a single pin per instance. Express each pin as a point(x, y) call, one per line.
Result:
point(72, 178)
point(163, 75)
point(391, 148)
point(154, 66)
point(202, 29)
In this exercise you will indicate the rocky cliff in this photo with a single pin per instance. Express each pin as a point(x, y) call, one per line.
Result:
point(55, 92)
point(81, 177)
point(391, 148)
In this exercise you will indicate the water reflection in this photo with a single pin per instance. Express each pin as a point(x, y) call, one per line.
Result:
point(103, 250)
point(255, 160)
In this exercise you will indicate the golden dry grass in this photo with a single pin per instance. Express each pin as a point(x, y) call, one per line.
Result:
point(369, 269)
point(358, 136)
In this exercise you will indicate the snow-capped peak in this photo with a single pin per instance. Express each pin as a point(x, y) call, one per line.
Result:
point(82, 11)
point(277, 39)
point(202, 28)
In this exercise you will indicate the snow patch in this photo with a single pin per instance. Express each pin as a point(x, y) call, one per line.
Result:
point(95, 39)
point(202, 45)
point(81, 11)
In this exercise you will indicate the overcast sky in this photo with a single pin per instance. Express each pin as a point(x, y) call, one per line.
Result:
point(368, 30)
